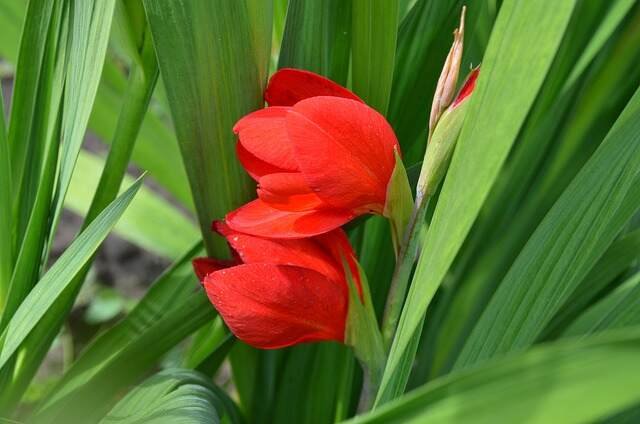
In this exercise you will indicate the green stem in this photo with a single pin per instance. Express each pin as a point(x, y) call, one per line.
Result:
point(372, 359)
point(402, 272)
point(363, 335)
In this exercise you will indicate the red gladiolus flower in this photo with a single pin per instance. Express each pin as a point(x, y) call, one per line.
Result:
point(319, 154)
point(277, 293)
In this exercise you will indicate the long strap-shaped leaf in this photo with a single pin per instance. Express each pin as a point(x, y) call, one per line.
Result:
point(618, 258)
point(63, 272)
point(6, 228)
point(150, 222)
point(132, 361)
point(620, 309)
point(174, 394)
point(520, 51)
point(317, 37)
point(575, 233)
point(90, 28)
point(373, 44)
point(569, 382)
point(165, 296)
point(213, 59)
point(156, 149)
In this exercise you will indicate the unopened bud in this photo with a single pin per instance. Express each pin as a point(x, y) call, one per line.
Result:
point(443, 140)
point(445, 90)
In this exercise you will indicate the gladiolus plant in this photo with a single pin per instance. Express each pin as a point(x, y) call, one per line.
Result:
point(306, 211)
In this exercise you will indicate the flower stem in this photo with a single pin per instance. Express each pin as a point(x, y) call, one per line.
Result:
point(400, 279)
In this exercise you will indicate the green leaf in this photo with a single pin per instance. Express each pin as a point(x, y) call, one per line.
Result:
point(572, 237)
point(34, 184)
point(33, 134)
point(6, 219)
point(171, 396)
point(377, 258)
point(306, 392)
point(618, 310)
point(362, 331)
point(549, 111)
point(108, 372)
point(620, 256)
point(213, 59)
point(53, 283)
point(142, 81)
point(150, 221)
point(399, 202)
point(480, 152)
point(373, 44)
point(579, 117)
point(28, 123)
point(156, 148)
point(317, 37)
point(570, 382)
point(168, 294)
point(11, 19)
point(89, 36)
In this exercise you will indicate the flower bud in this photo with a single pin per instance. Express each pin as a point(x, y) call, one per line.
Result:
point(443, 140)
point(445, 90)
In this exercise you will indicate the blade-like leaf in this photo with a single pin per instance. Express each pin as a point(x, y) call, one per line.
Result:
point(11, 19)
point(618, 310)
point(6, 224)
point(373, 44)
point(570, 382)
point(132, 362)
point(53, 283)
point(580, 117)
point(156, 148)
point(620, 256)
point(26, 112)
point(572, 237)
point(142, 81)
point(34, 185)
point(174, 395)
point(317, 37)
point(213, 63)
point(150, 222)
point(90, 27)
point(524, 39)
point(171, 290)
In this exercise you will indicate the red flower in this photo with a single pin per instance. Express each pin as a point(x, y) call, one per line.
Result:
point(278, 293)
point(319, 154)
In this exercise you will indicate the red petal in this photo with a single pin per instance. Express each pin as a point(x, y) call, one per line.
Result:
point(259, 219)
point(467, 88)
point(288, 191)
point(255, 167)
point(337, 244)
point(205, 266)
point(270, 306)
point(263, 134)
point(345, 150)
point(288, 86)
point(304, 253)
